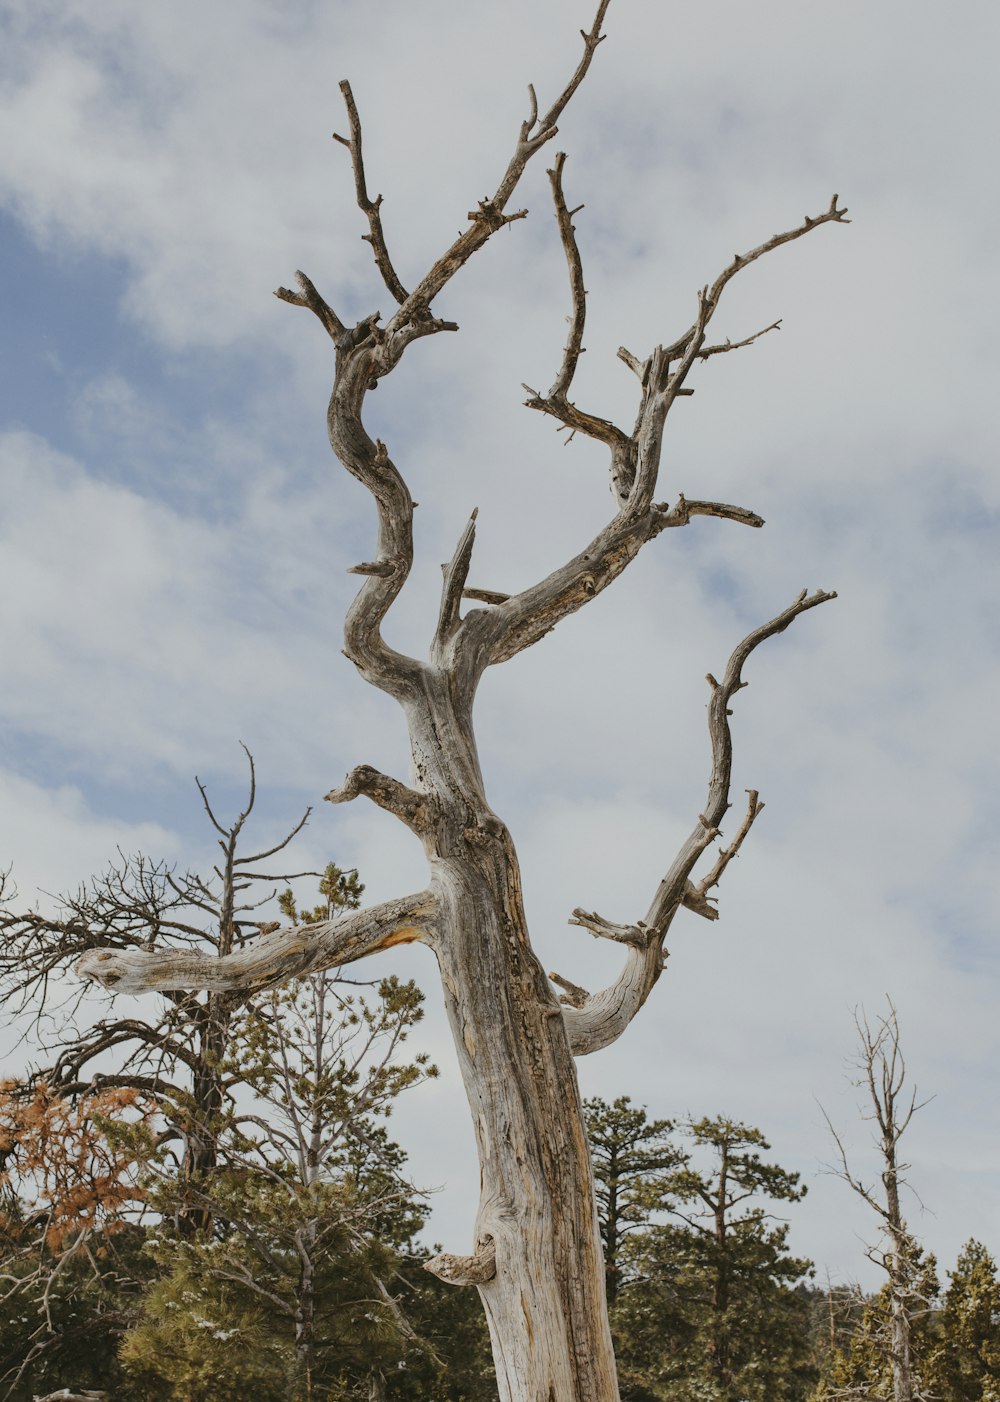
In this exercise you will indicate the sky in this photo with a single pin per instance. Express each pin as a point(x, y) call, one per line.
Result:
point(175, 532)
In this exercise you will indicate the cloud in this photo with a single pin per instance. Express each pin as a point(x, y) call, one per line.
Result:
point(178, 576)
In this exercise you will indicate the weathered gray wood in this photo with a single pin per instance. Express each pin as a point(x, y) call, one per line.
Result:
point(275, 957)
point(535, 1256)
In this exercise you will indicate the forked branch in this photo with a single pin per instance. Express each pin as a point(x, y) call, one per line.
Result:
point(604, 1016)
point(696, 895)
point(635, 457)
point(490, 215)
point(833, 214)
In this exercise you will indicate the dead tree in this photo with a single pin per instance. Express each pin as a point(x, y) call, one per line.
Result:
point(883, 1075)
point(177, 1055)
point(536, 1255)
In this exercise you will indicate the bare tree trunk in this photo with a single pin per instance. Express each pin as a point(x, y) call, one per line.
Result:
point(545, 1302)
point(537, 1232)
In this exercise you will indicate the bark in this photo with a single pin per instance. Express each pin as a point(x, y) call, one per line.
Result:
point(305, 1314)
point(612, 1269)
point(536, 1257)
point(201, 1149)
point(545, 1302)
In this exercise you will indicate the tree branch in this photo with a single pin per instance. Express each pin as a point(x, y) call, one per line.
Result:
point(574, 344)
point(272, 958)
point(369, 463)
point(743, 260)
point(605, 1015)
point(635, 458)
point(728, 345)
point(414, 809)
point(681, 513)
point(309, 297)
point(466, 1270)
point(696, 896)
point(371, 208)
point(484, 221)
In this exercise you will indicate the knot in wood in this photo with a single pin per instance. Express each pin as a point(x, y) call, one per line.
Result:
point(483, 830)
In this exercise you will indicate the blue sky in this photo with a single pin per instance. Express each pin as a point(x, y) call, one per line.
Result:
point(175, 533)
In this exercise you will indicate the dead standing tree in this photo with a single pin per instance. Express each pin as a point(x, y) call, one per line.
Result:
point(176, 1056)
point(882, 1073)
point(536, 1258)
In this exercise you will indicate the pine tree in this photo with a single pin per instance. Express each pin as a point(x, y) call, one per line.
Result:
point(710, 1310)
point(309, 1205)
point(965, 1366)
point(631, 1156)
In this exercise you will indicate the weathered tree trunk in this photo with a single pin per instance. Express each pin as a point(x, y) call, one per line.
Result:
point(545, 1303)
point(537, 1229)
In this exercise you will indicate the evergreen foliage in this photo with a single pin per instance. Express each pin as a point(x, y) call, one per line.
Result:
point(965, 1366)
point(707, 1306)
point(309, 1208)
point(632, 1156)
point(861, 1367)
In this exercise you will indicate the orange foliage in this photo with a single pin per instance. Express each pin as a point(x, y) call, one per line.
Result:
point(55, 1156)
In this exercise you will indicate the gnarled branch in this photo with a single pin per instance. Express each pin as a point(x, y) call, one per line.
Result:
point(635, 458)
point(271, 958)
point(604, 1015)
point(466, 1270)
point(412, 808)
point(370, 463)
